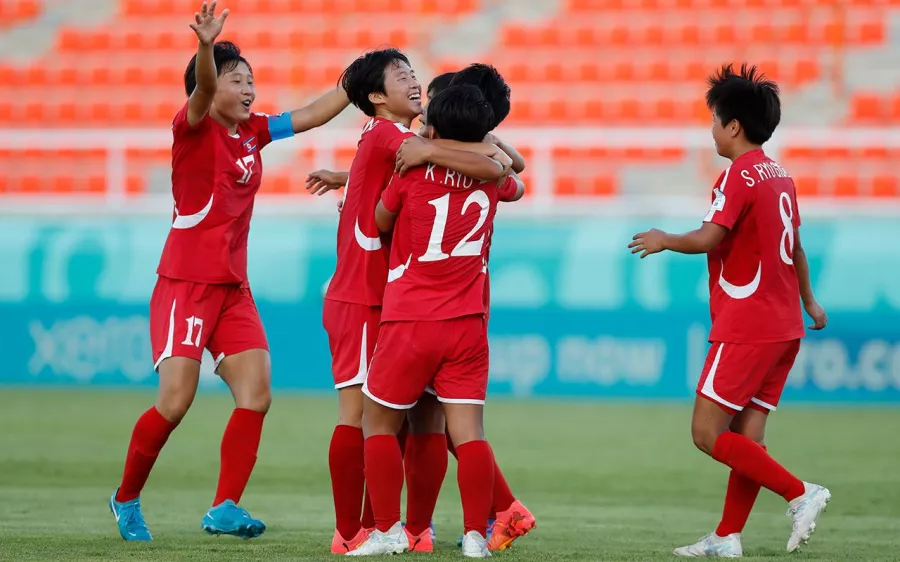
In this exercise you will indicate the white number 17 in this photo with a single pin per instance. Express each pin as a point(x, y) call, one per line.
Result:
point(466, 247)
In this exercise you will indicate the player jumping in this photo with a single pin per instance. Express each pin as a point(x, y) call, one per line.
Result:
point(383, 85)
point(202, 298)
point(758, 274)
point(434, 331)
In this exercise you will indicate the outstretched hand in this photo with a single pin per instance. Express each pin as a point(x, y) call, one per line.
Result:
point(206, 25)
point(321, 182)
point(646, 243)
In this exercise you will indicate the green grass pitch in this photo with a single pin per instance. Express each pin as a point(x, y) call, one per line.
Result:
point(607, 481)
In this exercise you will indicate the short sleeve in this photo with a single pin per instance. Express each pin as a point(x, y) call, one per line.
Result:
point(731, 197)
point(795, 219)
point(507, 191)
point(268, 128)
point(181, 127)
point(392, 136)
point(392, 196)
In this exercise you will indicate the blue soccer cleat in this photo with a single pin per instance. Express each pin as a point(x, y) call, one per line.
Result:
point(129, 518)
point(229, 519)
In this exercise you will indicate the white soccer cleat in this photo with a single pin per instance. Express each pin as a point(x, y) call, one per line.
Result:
point(394, 541)
point(805, 510)
point(475, 546)
point(714, 546)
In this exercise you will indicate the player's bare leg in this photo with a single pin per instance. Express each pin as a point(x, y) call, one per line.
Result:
point(425, 463)
point(248, 376)
point(725, 541)
point(345, 462)
point(475, 473)
point(712, 434)
point(178, 379)
point(384, 477)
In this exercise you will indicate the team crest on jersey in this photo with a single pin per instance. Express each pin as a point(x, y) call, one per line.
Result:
point(250, 147)
point(719, 202)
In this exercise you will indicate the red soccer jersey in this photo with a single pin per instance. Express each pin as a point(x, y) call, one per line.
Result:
point(440, 243)
point(754, 296)
point(215, 177)
point(362, 255)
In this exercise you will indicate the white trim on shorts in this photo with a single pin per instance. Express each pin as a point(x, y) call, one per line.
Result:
point(360, 377)
point(460, 401)
point(709, 390)
point(385, 403)
point(765, 405)
point(170, 339)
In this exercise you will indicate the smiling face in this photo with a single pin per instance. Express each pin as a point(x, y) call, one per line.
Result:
point(402, 97)
point(235, 94)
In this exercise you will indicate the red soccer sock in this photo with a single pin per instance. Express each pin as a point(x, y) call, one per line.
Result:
point(753, 462)
point(739, 499)
point(238, 453)
point(426, 466)
point(475, 475)
point(503, 497)
point(384, 479)
point(368, 514)
point(348, 480)
point(150, 433)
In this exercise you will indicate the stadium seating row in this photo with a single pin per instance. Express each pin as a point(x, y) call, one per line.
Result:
point(588, 171)
point(281, 7)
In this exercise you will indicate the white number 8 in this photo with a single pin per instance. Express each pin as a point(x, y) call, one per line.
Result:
point(787, 236)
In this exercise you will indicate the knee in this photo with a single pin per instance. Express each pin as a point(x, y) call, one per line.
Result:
point(704, 437)
point(174, 405)
point(350, 406)
point(259, 401)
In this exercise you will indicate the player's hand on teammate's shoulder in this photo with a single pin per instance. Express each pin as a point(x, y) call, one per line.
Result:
point(646, 243)
point(817, 313)
point(504, 160)
point(206, 25)
point(321, 182)
point(414, 151)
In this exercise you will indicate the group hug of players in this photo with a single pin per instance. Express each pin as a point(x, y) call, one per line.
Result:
point(406, 310)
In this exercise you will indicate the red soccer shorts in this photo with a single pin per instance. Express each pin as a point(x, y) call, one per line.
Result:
point(747, 374)
point(450, 355)
point(186, 317)
point(352, 332)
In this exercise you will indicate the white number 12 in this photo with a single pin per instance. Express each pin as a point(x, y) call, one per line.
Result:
point(466, 247)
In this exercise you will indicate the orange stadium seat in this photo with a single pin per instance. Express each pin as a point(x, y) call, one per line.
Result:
point(280, 7)
point(15, 12)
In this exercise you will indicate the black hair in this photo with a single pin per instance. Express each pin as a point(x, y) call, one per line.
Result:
point(492, 85)
point(366, 75)
point(749, 97)
point(460, 113)
point(226, 55)
point(440, 83)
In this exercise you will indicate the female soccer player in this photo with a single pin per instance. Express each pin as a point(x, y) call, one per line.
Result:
point(202, 298)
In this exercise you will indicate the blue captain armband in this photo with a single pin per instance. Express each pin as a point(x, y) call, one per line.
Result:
point(280, 126)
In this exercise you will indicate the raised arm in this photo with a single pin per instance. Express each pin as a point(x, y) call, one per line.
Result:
point(810, 304)
point(320, 111)
point(207, 27)
point(482, 161)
